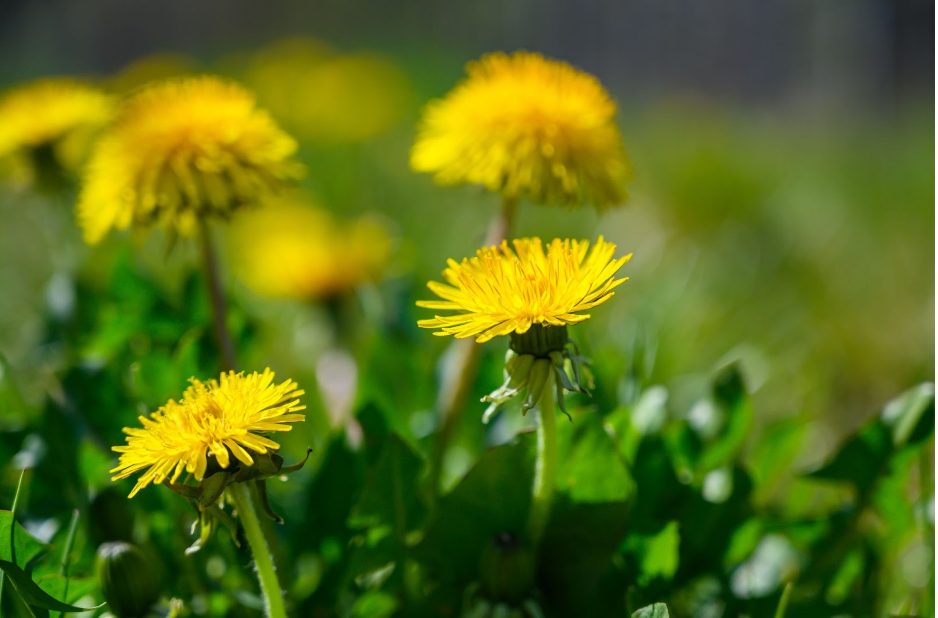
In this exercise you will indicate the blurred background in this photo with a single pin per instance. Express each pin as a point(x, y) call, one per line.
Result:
point(781, 214)
point(781, 211)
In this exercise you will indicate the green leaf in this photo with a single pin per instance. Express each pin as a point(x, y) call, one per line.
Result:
point(32, 594)
point(771, 459)
point(78, 587)
point(374, 604)
point(904, 423)
point(590, 468)
point(576, 557)
point(860, 458)
point(492, 499)
point(390, 493)
point(661, 553)
point(729, 393)
point(658, 610)
point(25, 547)
point(911, 415)
point(658, 554)
point(743, 542)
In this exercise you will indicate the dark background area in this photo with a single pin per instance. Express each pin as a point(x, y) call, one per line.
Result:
point(844, 54)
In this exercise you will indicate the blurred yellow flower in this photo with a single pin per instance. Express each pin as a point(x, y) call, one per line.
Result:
point(59, 113)
point(216, 419)
point(290, 249)
point(180, 150)
point(324, 96)
point(510, 288)
point(526, 126)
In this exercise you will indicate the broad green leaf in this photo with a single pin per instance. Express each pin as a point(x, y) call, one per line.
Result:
point(390, 494)
point(770, 460)
point(576, 557)
point(490, 500)
point(30, 592)
point(905, 422)
point(78, 587)
point(743, 543)
point(25, 546)
point(658, 554)
point(374, 604)
point(658, 610)
point(590, 469)
point(860, 458)
point(662, 553)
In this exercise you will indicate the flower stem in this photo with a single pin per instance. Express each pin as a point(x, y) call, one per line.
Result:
point(461, 372)
point(263, 561)
point(545, 467)
point(66, 556)
point(217, 297)
point(500, 227)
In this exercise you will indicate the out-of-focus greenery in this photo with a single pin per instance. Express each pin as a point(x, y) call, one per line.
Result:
point(745, 430)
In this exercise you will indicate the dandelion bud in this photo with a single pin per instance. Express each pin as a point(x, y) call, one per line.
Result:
point(130, 580)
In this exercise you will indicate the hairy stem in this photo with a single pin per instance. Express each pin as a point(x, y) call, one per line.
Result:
point(545, 467)
point(217, 297)
point(263, 561)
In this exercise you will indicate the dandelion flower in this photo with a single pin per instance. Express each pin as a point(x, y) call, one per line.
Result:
point(529, 127)
point(510, 288)
point(291, 249)
point(57, 113)
point(214, 419)
point(181, 150)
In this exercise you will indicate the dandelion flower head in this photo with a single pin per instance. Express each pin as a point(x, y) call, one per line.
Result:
point(217, 419)
point(180, 150)
point(291, 248)
point(509, 288)
point(529, 127)
point(61, 113)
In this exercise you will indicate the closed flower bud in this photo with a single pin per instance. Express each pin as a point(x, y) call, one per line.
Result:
point(130, 580)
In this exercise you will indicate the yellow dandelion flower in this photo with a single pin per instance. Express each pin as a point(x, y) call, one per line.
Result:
point(510, 288)
point(218, 419)
point(60, 113)
point(293, 249)
point(529, 127)
point(180, 150)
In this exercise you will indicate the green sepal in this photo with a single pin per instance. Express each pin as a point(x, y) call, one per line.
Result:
point(261, 486)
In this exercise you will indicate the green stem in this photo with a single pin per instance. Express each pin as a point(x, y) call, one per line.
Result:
point(263, 561)
point(66, 555)
point(783, 601)
point(216, 295)
point(545, 468)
